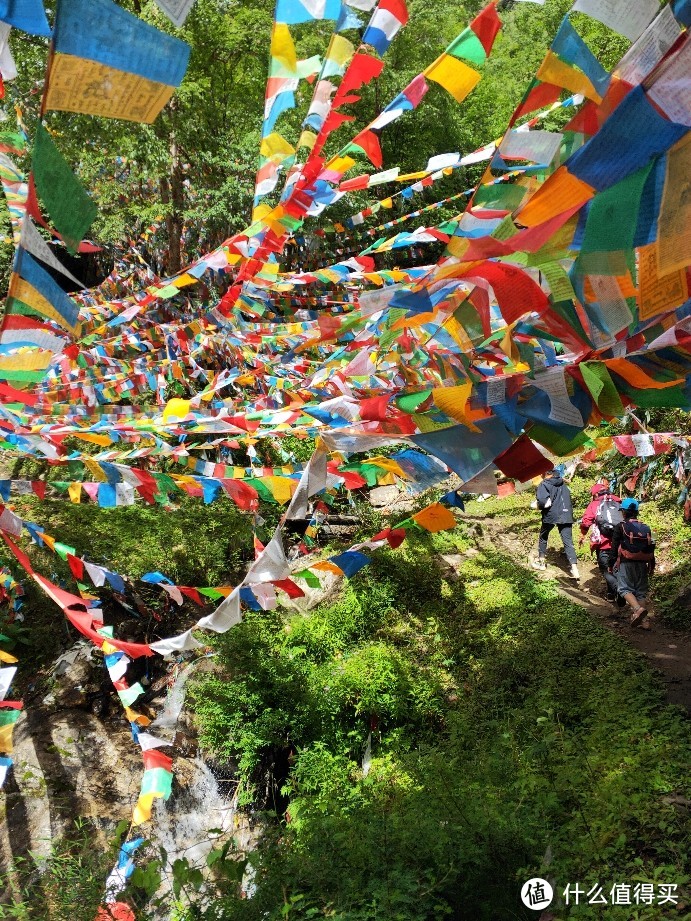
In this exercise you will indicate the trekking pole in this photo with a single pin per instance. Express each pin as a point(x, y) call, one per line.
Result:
point(639, 423)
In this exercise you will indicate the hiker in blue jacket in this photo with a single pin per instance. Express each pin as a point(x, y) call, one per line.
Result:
point(554, 501)
point(633, 547)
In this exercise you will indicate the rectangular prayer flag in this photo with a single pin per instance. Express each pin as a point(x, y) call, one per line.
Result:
point(456, 77)
point(109, 62)
point(27, 15)
point(70, 208)
point(388, 18)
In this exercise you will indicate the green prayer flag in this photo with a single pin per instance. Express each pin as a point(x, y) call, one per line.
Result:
point(70, 208)
point(309, 577)
point(157, 780)
point(129, 695)
point(409, 402)
point(652, 399)
point(602, 263)
point(613, 215)
point(62, 550)
point(469, 318)
point(469, 47)
point(602, 388)
point(557, 443)
point(211, 593)
point(7, 717)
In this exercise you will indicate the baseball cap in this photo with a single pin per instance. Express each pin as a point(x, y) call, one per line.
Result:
point(630, 504)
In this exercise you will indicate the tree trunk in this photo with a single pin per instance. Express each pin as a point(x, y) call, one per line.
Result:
point(173, 194)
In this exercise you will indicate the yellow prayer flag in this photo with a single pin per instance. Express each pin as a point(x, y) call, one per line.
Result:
point(29, 360)
point(455, 76)
point(176, 409)
point(95, 470)
point(6, 657)
point(6, 738)
point(275, 146)
point(75, 492)
point(307, 139)
point(340, 50)
point(281, 487)
point(554, 70)
point(81, 85)
point(283, 51)
point(184, 279)
point(453, 401)
point(94, 438)
point(674, 222)
point(142, 810)
point(258, 214)
point(658, 293)
point(341, 165)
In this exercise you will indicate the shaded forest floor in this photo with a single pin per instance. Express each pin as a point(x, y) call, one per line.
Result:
point(512, 528)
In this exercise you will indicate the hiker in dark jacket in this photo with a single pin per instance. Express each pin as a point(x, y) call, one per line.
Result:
point(554, 501)
point(634, 548)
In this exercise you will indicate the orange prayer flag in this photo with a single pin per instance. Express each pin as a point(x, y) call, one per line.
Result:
point(638, 379)
point(435, 518)
point(560, 193)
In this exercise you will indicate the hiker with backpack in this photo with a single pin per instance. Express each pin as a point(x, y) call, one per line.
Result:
point(554, 501)
point(634, 548)
point(600, 519)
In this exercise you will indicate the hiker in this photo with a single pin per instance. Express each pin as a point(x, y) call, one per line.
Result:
point(600, 518)
point(554, 501)
point(634, 549)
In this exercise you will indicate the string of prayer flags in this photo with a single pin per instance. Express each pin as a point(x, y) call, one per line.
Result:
point(474, 44)
point(10, 711)
point(16, 191)
point(131, 78)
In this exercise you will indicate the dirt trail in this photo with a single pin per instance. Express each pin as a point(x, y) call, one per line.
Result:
point(668, 651)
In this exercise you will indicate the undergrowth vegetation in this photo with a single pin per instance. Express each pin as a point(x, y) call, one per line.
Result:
point(511, 736)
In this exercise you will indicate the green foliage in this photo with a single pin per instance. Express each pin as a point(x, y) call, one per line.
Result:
point(195, 545)
point(504, 722)
point(68, 883)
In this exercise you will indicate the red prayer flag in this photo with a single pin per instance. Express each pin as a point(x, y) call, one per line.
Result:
point(291, 589)
point(486, 26)
point(522, 461)
point(361, 70)
point(368, 141)
point(156, 759)
point(541, 95)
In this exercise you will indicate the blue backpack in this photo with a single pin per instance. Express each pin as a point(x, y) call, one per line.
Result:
point(637, 542)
